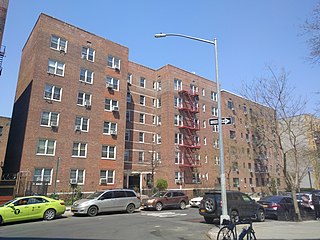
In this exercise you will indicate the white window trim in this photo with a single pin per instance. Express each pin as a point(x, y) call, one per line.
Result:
point(56, 67)
point(86, 76)
point(42, 174)
point(79, 148)
point(77, 175)
point(108, 152)
point(106, 178)
point(46, 147)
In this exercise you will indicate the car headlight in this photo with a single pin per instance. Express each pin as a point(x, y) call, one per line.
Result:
point(84, 204)
point(150, 201)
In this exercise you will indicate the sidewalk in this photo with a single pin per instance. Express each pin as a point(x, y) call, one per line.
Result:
point(281, 230)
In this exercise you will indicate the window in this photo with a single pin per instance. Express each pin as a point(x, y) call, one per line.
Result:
point(141, 157)
point(153, 137)
point(107, 176)
point(77, 175)
point(49, 119)
point(52, 92)
point(177, 102)
point(113, 62)
point(79, 149)
point(196, 177)
point(232, 135)
point(129, 78)
point(216, 143)
point(214, 111)
point(128, 116)
point(203, 92)
point(178, 138)
point(1, 130)
point(129, 97)
point(159, 120)
point(214, 96)
point(46, 147)
point(110, 105)
point(84, 99)
point(206, 159)
point(43, 175)
point(178, 121)
point(204, 124)
point(56, 68)
point(142, 82)
point(235, 182)
point(108, 152)
point(88, 53)
point(82, 124)
point(142, 100)
point(141, 137)
point(178, 176)
point(159, 102)
point(177, 84)
point(109, 128)
point(158, 139)
point(215, 128)
point(230, 105)
point(159, 86)
point(58, 43)
point(203, 108)
point(127, 135)
point(142, 118)
point(205, 141)
point(112, 83)
point(86, 76)
point(178, 158)
point(127, 156)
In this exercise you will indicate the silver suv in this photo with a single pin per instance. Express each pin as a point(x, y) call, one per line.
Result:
point(107, 201)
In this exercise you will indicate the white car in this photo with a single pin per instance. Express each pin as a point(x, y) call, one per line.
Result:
point(195, 202)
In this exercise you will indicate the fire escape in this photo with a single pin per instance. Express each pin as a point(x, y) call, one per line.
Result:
point(2, 52)
point(190, 145)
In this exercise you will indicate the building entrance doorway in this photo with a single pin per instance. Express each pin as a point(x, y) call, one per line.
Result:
point(134, 182)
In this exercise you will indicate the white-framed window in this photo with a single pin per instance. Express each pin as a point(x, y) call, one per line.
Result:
point(107, 176)
point(159, 86)
point(142, 118)
point(215, 128)
point(112, 83)
point(178, 138)
point(178, 158)
point(109, 128)
point(193, 89)
point(206, 159)
point(142, 100)
point(154, 85)
point(154, 102)
point(77, 175)
point(129, 78)
point(129, 97)
point(159, 120)
point(214, 111)
point(205, 141)
point(217, 160)
point(82, 124)
point(127, 135)
point(141, 157)
point(128, 116)
point(88, 54)
point(203, 92)
point(177, 102)
point(84, 99)
point(153, 137)
point(178, 120)
point(178, 176)
point(52, 92)
point(216, 143)
point(55, 67)
point(108, 152)
point(230, 105)
point(46, 147)
point(58, 43)
point(110, 105)
point(177, 84)
point(127, 156)
point(196, 177)
point(141, 137)
point(86, 76)
point(79, 149)
point(204, 124)
point(49, 119)
point(43, 175)
point(142, 82)
point(159, 103)
point(203, 107)
point(158, 138)
point(154, 120)
point(113, 62)
point(214, 96)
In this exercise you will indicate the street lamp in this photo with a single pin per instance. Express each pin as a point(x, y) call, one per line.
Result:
point(222, 174)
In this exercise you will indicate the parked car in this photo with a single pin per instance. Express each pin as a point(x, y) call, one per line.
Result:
point(278, 207)
point(31, 207)
point(107, 201)
point(168, 199)
point(239, 205)
point(195, 202)
point(305, 199)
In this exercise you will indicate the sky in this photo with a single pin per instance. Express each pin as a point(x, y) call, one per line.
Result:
point(251, 35)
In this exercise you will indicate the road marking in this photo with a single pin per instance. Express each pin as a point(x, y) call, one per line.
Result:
point(163, 214)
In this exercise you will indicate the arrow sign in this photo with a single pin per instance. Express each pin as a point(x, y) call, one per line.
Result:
point(214, 121)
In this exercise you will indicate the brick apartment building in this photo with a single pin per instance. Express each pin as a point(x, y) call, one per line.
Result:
point(85, 114)
point(4, 133)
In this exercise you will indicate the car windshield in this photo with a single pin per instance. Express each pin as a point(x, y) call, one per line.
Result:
point(94, 195)
point(7, 203)
point(159, 194)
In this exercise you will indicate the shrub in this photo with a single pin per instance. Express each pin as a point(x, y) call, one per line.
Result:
point(162, 184)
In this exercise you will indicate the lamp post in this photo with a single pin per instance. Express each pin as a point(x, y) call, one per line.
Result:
point(222, 173)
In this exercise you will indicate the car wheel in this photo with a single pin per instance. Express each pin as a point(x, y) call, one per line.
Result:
point(286, 215)
point(183, 205)
point(260, 215)
point(234, 216)
point(1, 220)
point(130, 208)
point(92, 211)
point(210, 205)
point(49, 214)
point(159, 206)
point(208, 220)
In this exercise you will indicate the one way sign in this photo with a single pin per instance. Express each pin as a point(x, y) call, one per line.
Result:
point(214, 121)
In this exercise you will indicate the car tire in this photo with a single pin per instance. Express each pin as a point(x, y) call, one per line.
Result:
point(183, 205)
point(208, 220)
point(92, 211)
point(130, 208)
point(1, 220)
point(49, 214)
point(260, 215)
point(234, 216)
point(210, 205)
point(159, 206)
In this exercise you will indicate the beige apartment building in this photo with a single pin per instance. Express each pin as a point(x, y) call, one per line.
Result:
point(84, 114)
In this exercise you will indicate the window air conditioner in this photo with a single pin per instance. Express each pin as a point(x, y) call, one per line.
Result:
point(53, 124)
point(62, 49)
point(178, 181)
point(115, 109)
point(73, 181)
point(103, 181)
point(251, 185)
point(113, 132)
point(77, 128)
point(109, 85)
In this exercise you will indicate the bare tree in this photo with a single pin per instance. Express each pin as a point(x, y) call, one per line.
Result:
point(311, 28)
point(284, 122)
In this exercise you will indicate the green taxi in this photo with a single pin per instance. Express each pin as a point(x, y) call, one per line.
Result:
point(31, 207)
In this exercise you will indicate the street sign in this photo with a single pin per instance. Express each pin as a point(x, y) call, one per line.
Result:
point(214, 121)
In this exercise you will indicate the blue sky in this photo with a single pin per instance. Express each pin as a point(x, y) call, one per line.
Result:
point(251, 35)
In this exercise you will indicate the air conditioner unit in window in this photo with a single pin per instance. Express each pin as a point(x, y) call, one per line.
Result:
point(53, 124)
point(103, 181)
point(115, 109)
point(109, 85)
point(83, 56)
point(73, 181)
point(113, 132)
point(251, 185)
point(178, 181)
point(37, 179)
point(62, 49)
point(77, 128)
point(87, 104)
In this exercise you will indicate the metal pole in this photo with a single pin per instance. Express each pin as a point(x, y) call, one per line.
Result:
point(56, 177)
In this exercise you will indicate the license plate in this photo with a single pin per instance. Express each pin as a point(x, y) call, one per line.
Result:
point(265, 206)
point(202, 210)
point(72, 209)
